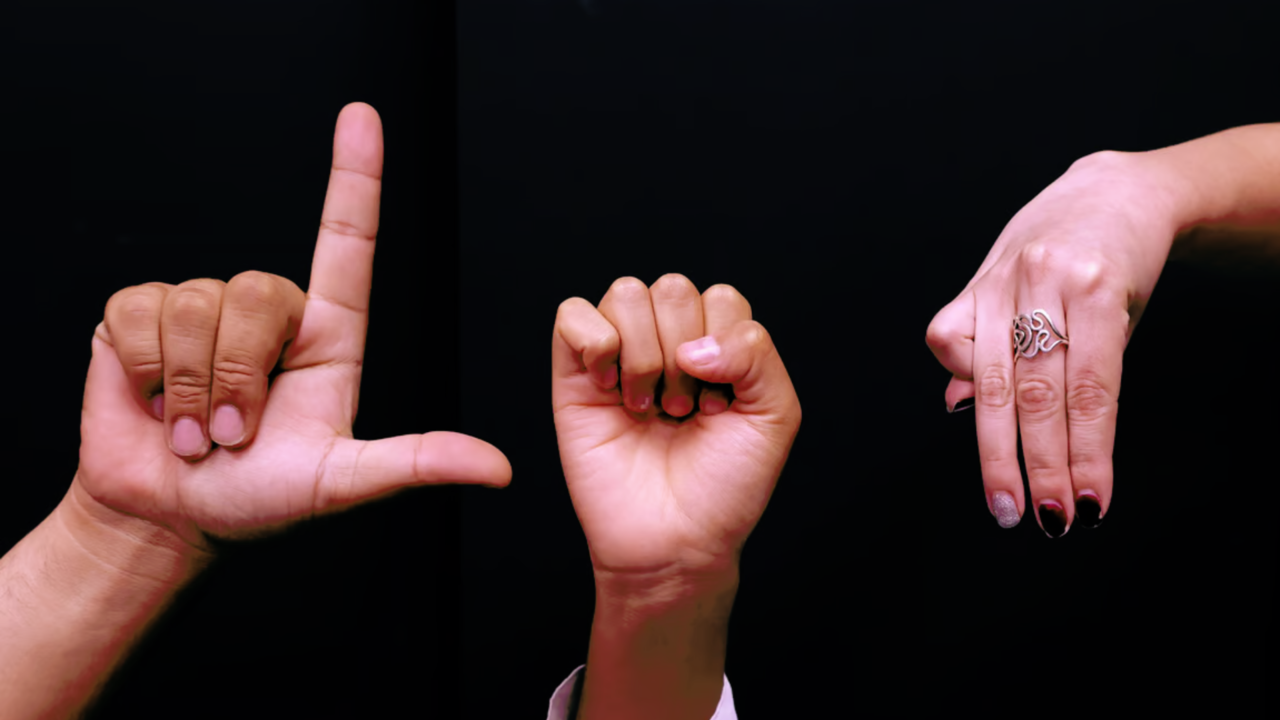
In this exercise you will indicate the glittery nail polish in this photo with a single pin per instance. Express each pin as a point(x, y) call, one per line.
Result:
point(1053, 518)
point(1005, 509)
point(1088, 509)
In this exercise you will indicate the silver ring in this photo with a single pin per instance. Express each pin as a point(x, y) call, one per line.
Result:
point(1032, 334)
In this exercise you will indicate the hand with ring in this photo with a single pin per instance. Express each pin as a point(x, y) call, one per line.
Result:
point(1036, 338)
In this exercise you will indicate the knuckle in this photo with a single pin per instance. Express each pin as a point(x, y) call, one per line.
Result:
point(236, 371)
point(1088, 398)
point(571, 311)
point(605, 339)
point(995, 388)
point(255, 288)
point(754, 336)
point(141, 303)
point(674, 287)
point(1038, 396)
point(1047, 471)
point(1085, 276)
point(334, 481)
point(568, 307)
point(1037, 260)
point(186, 387)
point(193, 304)
point(629, 289)
point(1089, 468)
point(999, 464)
point(722, 293)
point(1093, 276)
point(940, 336)
point(1102, 161)
point(145, 365)
point(344, 228)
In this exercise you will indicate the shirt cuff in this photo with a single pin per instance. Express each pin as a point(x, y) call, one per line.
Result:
point(558, 709)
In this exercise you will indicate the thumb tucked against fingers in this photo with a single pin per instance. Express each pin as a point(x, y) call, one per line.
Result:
point(745, 357)
point(950, 336)
point(359, 470)
point(960, 394)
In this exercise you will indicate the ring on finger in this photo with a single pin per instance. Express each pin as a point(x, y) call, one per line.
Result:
point(1034, 334)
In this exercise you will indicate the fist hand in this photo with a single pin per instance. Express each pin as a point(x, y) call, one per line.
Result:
point(675, 416)
point(179, 427)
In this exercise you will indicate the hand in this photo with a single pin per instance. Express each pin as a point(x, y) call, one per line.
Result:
point(1088, 250)
point(216, 453)
point(672, 491)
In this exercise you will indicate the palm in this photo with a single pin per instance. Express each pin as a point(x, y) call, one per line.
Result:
point(302, 460)
point(274, 480)
point(687, 493)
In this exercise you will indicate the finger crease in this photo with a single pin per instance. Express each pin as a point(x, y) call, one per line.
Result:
point(346, 229)
point(337, 303)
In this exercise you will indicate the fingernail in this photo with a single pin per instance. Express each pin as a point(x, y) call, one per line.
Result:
point(1006, 510)
point(157, 406)
point(644, 403)
point(610, 377)
point(678, 406)
point(228, 425)
point(714, 406)
point(188, 439)
point(702, 351)
point(1088, 509)
point(964, 404)
point(1053, 518)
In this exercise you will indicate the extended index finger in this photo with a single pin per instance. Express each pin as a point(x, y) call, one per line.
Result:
point(337, 311)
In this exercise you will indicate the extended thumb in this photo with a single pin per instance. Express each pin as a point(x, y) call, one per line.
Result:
point(360, 470)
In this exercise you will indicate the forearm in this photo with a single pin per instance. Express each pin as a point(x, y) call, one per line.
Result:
point(75, 595)
point(1225, 192)
point(1228, 178)
point(657, 650)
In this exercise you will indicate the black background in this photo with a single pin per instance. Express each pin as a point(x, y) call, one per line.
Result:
point(845, 165)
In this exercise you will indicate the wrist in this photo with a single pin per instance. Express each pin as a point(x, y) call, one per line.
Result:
point(81, 587)
point(664, 591)
point(658, 645)
point(1150, 191)
point(1227, 179)
point(120, 549)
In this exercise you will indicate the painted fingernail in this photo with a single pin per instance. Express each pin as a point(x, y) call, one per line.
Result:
point(1053, 518)
point(1088, 509)
point(610, 377)
point(1006, 510)
point(188, 439)
point(678, 406)
point(644, 402)
point(702, 351)
point(964, 404)
point(228, 425)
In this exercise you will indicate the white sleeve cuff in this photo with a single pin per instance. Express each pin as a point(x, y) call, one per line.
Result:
point(558, 709)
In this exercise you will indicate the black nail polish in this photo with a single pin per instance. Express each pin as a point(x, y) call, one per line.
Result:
point(1088, 509)
point(1053, 518)
point(964, 404)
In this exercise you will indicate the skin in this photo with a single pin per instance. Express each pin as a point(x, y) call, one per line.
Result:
point(668, 493)
point(666, 496)
point(1089, 250)
point(153, 487)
